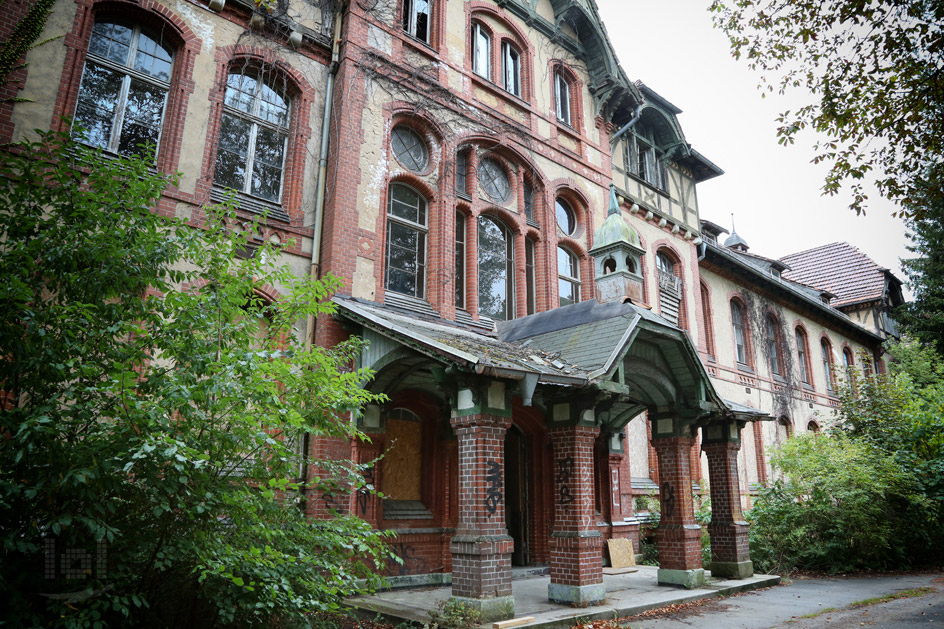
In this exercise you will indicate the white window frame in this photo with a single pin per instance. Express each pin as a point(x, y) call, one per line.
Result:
point(565, 278)
point(562, 98)
point(127, 72)
point(257, 122)
point(481, 51)
point(511, 69)
point(420, 228)
point(411, 21)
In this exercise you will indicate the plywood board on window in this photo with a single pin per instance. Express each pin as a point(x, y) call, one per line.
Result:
point(402, 464)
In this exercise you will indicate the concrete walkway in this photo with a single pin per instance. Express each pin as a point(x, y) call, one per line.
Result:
point(626, 595)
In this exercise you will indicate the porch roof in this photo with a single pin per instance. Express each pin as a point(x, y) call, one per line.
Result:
point(581, 345)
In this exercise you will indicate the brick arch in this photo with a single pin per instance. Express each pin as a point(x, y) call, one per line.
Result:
point(301, 95)
point(414, 181)
point(405, 113)
point(153, 16)
point(735, 297)
point(665, 246)
point(475, 11)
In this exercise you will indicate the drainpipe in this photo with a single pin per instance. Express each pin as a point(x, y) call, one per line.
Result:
point(323, 161)
point(629, 125)
point(315, 270)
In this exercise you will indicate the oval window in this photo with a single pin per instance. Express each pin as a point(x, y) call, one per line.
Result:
point(493, 180)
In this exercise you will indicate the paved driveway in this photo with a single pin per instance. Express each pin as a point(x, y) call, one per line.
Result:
point(786, 605)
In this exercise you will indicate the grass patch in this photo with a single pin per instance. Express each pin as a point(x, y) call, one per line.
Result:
point(912, 593)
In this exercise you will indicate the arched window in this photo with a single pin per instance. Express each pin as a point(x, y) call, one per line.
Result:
point(124, 88)
point(738, 322)
point(827, 351)
point(566, 219)
point(511, 68)
point(784, 429)
point(774, 352)
point(496, 269)
point(253, 137)
point(670, 288)
point(849, 361)
point(568, 271)
point(803, 355)
point(481, 51)
point(706, 317)
point(812, 427)
point(406, 241)
point(416, 18)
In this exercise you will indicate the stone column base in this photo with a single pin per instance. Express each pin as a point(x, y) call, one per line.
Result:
point(732, 569)
point(579, 595)
point(688, 579)
point(490, 609)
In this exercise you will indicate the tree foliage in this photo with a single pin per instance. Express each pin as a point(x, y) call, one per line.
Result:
point(876, 73)
point(153, 407)
point(923, 317)
point(869, 494)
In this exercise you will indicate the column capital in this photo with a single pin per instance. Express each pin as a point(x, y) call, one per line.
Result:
point(478, 396)
point(723, 431)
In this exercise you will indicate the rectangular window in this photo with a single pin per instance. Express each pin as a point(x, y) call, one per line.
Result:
point(528, 202)
point(529, 274)
point(802, 356)
point(481, 52)
point(740, 346)
point(562, 97)
point(416, 18)
point(511, 69)
point(772, 349)
point(460, 260)
point(462, 172)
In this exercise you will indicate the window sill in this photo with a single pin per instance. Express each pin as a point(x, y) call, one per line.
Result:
point(500, 92)
point(745, 368)
point(649, 185)
point(405, 510)
point(424, 48)
point(249, 203)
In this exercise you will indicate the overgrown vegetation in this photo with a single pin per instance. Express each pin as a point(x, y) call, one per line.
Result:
point(869, 494)
point(153, 409)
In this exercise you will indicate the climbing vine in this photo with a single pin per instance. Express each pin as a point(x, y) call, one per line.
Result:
point(23, 39)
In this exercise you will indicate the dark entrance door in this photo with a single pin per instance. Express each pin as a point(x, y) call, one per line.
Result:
point(517, 499)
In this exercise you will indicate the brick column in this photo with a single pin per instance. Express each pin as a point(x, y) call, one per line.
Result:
point(576, 544)
point(730, 553)
point(481, 548)
point(679, 535)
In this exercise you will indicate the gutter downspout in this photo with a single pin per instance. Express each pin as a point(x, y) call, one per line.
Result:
point(629, 125)
point(323, 161)
point(315, 271)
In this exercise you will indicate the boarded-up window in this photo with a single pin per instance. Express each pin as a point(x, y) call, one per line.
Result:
point(401, 464)
point(670, 289)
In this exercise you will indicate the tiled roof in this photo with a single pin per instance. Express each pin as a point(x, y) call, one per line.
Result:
point(840, 269)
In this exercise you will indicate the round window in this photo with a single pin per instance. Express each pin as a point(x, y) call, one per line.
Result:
point(409, 148)
point(565, 217)
point(493, 180)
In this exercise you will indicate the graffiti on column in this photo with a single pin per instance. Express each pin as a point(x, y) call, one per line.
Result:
point(565, 472)
point(331, 501)
point(409, 560)
point(493, 486)
point(668, 499)
point(363, 494)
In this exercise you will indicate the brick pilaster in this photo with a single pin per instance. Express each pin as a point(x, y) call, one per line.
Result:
point(678, 536)
point(576, 544)
point(730, 552)
point(481, 548)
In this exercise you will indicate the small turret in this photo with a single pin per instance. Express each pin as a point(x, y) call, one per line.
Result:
point(617, 258)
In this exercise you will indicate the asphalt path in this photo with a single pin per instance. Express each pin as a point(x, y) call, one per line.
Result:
point(808, 603)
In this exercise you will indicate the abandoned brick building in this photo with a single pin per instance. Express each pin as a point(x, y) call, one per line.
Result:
point(516, 226)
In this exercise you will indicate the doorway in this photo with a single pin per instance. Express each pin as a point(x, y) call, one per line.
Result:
point(517, 495)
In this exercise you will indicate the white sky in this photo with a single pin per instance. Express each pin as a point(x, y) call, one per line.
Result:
point(773, 191)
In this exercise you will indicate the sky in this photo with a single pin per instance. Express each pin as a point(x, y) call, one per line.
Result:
point(773, 191)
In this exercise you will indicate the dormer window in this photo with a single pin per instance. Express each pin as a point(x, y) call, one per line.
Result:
point(774, 273)
point(644, 157)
